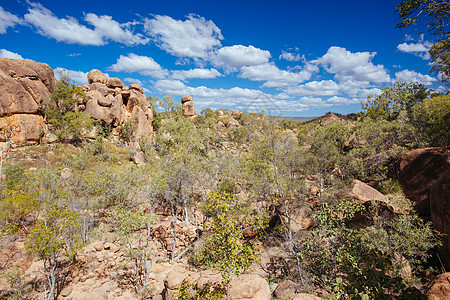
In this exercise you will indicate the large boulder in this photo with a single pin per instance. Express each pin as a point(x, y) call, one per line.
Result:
point(188, 106)
point(14, 98)
point(418, 171)
point(23, 68)
point(250, 287)
point(439, 288)
point(141, 126)
point(97, 76)
point(371, 199)
point(25, 86)
point(440, 213)
point(22, 128)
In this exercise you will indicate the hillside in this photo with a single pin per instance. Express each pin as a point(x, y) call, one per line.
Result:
point(105, 196)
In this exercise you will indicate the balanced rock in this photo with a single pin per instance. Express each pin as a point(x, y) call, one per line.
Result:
point(188, 106)
point(97, 76)
point(418, 172)
point(114, 83)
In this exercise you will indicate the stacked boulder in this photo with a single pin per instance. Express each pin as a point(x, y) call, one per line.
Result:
point(188, 106)
point(114, 103)
point(25, 86)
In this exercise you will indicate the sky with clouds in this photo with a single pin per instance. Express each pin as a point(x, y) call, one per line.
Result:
point(291, 58)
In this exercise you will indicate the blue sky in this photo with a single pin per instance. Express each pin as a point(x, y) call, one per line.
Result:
point(292, 58)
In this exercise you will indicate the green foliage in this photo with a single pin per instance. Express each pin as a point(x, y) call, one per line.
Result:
point(128, 224)
point(15, 207)
point(15, 279)
point(55, 231)
point(15, 176)
point(223, 248)
point(368, 263)
point(435, 16)
point(66, 123)
point(438, 110)
point(126, 130)
point(191, 291)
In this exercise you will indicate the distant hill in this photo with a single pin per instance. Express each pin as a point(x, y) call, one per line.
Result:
point(295, 119)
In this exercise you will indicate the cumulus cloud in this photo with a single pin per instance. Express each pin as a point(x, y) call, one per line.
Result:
point(336, 100)
point(196, 73)
point(238, 56)
point(418, 49)
point(8, 54)
point(7, 20)
point(70, 31)
point(77, 77)
point(113, 30)
point(315, 88)
point(353, 66)
point(291, 56)
point(193, 38)
point(412, 76)
point(133, 80)
point(273, 76)
point(240, 98)
point(143, 65)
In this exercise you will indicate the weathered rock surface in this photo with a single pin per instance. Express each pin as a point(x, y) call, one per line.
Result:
point(304, 296)
point(439, 289)
point(285, 290)
point(365, 193)
point(419, 170)
point(25, 86)
point(250, 286)
point(96, 76)
point(440, 213)
point(188, 106)
point(24, 128)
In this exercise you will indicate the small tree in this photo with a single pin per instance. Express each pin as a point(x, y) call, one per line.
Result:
point(50, 236)
point(224, 249)
point(129, 225)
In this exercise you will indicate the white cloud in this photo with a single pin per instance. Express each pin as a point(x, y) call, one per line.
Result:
point(196, 73)
point(143, 65)
point(412, 76)
point(238, 56)
point(8, 54)
point(291, 56)
point(113, 30)
point(133, 80)
point(70, 31)
point(418, 49)
point(7, 20)
point(239, 98)
point(335, 100)
point(193, 38)
point(356, 66)
point(273, 76)
point(315, 88)
point(78, 77)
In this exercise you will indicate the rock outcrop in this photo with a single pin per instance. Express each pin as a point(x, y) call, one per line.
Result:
point(439, 289)
point(188, 106)
point(418, 172)
point(440, 213)
point(110, 101)
point(251, 287)
point(25, 86)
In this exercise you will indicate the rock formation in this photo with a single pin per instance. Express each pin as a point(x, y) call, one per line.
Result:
point(419, 170)
point(113, 103)
point(440, 213)
point(25, 86)
point(188, 106)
